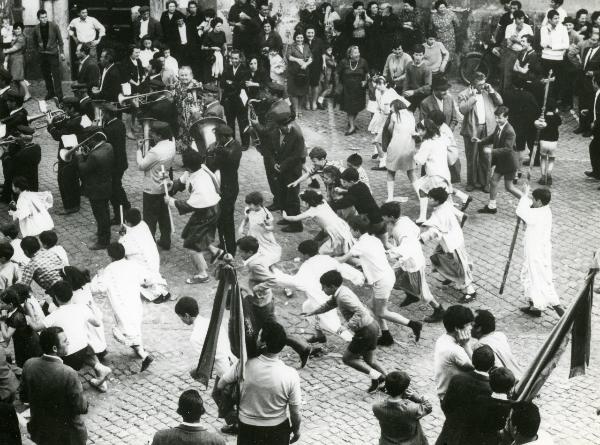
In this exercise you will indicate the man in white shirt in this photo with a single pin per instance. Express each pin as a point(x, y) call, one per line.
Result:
point(452, 352)
point(370, 253)
point(512, 37)
point(555, 5)
point(268, 389)
point(85, 29)
point(554, 40)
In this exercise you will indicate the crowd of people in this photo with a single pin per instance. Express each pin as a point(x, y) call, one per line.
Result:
point(180, 78)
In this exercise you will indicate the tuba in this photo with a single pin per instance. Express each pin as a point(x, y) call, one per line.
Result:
point(85, 147)
point(203, 133)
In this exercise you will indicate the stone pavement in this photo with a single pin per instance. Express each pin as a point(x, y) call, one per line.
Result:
point(337, 409)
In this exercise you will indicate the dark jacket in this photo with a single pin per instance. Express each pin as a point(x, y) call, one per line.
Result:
point(506, 138)
point(450, 109)
point(26, 161)
point(269, 130)
point(522, 106)
point(95, 171)
point(111, 87)
point(291, 153)
point(56, 401)
point(154, 31)
point(463, 406)
point(115, 135)
point(187, 435)
point(86, 106)
point(232, 85)
point(359, 196)
point(89, 74)
point(131, 71)
point(169, 27)
point(226, 159)
point(14, 120)
point(55, 42)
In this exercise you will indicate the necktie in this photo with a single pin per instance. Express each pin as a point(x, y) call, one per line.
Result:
point(590, 54)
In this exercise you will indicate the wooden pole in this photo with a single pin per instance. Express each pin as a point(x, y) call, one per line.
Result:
point(162, 170)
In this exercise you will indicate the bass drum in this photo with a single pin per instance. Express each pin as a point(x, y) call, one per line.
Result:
point(203, 133)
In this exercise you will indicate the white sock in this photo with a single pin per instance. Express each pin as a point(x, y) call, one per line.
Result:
point(415, 188)
point(423, 202)
point(390, 190)
point(374, 374)
point(461, 195)
point(375, 151)
point(320, 100)
point(492, 204)
point(382, 160)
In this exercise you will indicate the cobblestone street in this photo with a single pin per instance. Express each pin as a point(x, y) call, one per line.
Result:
point(337, 408)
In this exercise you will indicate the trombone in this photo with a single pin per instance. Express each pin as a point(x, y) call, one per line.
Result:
point(30, 119)
point(85, 147)
point(140, 100)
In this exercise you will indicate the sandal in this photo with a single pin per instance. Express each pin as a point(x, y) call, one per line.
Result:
point(197, 280)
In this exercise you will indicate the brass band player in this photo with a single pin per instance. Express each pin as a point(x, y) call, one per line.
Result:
point(133, 74)
point(86, 105)
point(20, 158)
point(186, 94)
point(115, 132)
point(17, 115)
point(68, 174)
point(212, 106)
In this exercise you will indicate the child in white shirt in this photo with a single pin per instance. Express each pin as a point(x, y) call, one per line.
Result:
point(258, 222)
point(31, 208)
point(49, 239)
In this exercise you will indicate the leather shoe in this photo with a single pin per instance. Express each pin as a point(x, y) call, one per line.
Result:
point(466, 204)
point(292, 229)
point(98, 246)
point(410, 299)
point(69, 211)
point(486, 209)
point(591, 174)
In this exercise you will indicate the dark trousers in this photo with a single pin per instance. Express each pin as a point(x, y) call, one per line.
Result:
point(236, 111)
point(155, 210)
point(288, 196)
point(567, 86)
point(118, 196)
point(595, 155)
point(226, 224)
point(7, 171)
point(101, 212)
point(586, 101)
point(50, 66)
point(264, 435)
point(68, 185)
point(271, 173)
point(525, 137)
point(557, 67)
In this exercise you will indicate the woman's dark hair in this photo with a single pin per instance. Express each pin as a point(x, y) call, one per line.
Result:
point(357, 5)
point(214, 22)
point(431, 130)
point(19, 25)
point(324, 6)
point(21, 183)
point(439, 3)
point(312, 198)
point(298, 33)
point(398, 105)
point(580, 12)
point(169, 2)
point(77, 278)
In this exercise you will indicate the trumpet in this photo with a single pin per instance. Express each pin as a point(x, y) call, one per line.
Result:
point(140, 100)
point(34, 118)
point(56, 116)
point(85, 147)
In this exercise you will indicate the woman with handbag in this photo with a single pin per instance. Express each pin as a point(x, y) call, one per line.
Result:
point(299, 59)
point(353, 72)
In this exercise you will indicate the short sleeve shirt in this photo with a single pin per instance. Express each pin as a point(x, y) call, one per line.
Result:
point(449, 359)
point(73, 319)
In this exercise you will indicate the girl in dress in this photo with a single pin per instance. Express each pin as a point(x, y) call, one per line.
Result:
point(384, 96)
point(147, 52)
point(340, 238)
point(82, 294)
point(16, 60)
point(401, 147)
point(215, 46)
point(19, 307)
point(258, 222)
point(31, 208)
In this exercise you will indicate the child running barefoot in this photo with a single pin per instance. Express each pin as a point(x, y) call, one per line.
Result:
point(258, 222)
point(340, 239)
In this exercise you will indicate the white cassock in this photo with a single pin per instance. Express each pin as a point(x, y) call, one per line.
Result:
point(122, 281)
point(96, 338)
point(307, 280)
point(140, 248)
point(536, 273)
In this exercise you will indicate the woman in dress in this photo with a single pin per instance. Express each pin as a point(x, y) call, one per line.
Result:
point(329, 15)
point(214, 46)
point(16, 60)
point(384, 96)
point(443, 24)
point(401, 148)
point(257, 79)
point(373, 35)
point(353, 72)
point(186, 95)
point(299, 59)
point(356, 23)
point(317, 49)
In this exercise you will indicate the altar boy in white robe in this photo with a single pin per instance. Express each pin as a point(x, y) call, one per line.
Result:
point(122, 282)
point(140, 247)
point(307, 281)
point(536, 274)
point(450, 258)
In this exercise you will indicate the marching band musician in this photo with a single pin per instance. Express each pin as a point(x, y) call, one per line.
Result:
point(5, 81)
point(269, 136)
point(187, 100)
point(20, 158)
point(95, 170)
point(110, 78)
point(17, 115)
point(212, 106)
point(154, 208)
point(114, 129)
point(161, 108)
point(86, 105)
point(224, 156)
point(68, 174)
point(233, 82)
point(133, 73)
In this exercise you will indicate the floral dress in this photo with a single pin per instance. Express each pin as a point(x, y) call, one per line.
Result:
point(444, 26)
point(188, 110)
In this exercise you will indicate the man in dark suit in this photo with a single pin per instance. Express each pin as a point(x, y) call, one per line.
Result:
point(464, 401)
point(268, 132)
point(193, 23)
point(225, 155)
point(191, 408)
point(49, 43)
point(17, 115)
point(146, 26)
point(114, 129)
point(86, 105)
point(95, 170)
point(291, 155)
point(504, 158)
point(590, 64)
point(439, 99)
point(5, 81)
point(54, 394)
point(88, 72)
point(110, 78)
point(232, 83)
point(23, 159)
point(595, 143)
point(168, 23)
point(242, 17)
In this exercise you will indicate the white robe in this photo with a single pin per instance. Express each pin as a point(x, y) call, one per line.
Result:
point(96, 338)
point(140, 248)
point(307, 280)
point(536, 274)
point(122, 282)
point(32, 212)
